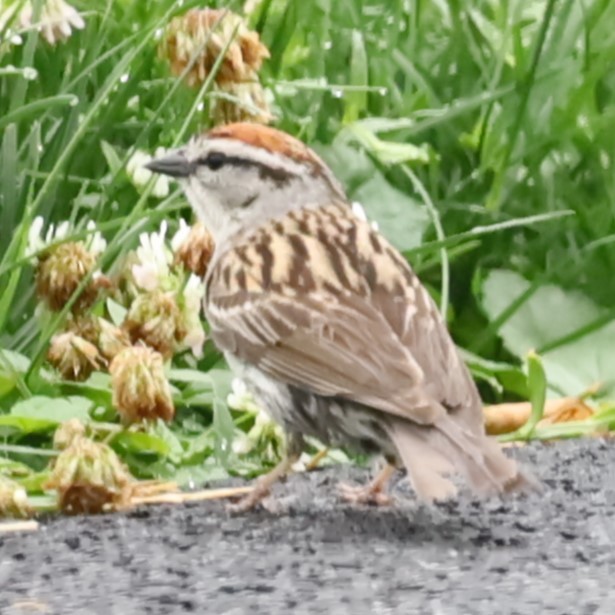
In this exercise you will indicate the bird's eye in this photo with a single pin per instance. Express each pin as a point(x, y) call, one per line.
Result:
point(213, 160)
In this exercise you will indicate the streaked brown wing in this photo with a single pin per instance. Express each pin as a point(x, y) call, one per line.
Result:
point(342, 314)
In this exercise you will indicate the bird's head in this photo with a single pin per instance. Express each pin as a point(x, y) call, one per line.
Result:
point(241, 175)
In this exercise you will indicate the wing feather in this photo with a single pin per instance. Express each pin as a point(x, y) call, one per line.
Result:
point(342, 352)
point(372, 335)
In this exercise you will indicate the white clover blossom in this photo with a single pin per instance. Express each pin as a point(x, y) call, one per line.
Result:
point(153, 268)
point(95, 243)
point(57, 19)
point(194, 291)
point(181, 235)
point(241, 445)
point(264, 430)
point(35, 241)
point(265, 427)
point(140, 176)
point(240, 398)
point(359, 211)
point(6, 16)
point(135, 167)
point(195, 339)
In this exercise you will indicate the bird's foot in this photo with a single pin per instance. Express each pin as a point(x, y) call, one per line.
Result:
point(251, 500)
point(373, 493)
point(262, 487)
point(364, 494)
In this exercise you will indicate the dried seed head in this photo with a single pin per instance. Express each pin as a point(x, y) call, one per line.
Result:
point(60, 271)
point(111, 339)
point(108, 338)
point(240, 102)
point(195, 250)
point(155, 319)
point(205, 33)
point(140, 387)
point(85, 326)
point(73, 356)
point(13, 499)
point(67, 432)
point(90, 478)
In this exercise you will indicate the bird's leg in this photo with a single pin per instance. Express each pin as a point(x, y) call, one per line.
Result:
point(316, 459)
point(372, 493)
point(263, 484)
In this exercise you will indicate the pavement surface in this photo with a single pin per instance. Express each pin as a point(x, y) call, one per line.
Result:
point(552, 552)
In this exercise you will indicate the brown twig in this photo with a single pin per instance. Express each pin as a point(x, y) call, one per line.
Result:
point(18, 526)
point(197, 496)
point(505, 418)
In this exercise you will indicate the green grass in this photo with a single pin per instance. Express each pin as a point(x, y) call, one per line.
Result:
point(479, 134)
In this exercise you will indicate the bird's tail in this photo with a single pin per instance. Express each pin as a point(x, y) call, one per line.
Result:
point(431, 454)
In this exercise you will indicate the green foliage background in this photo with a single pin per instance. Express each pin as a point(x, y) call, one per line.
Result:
point(492, 119)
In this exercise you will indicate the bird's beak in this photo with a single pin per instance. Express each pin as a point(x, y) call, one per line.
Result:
point(173, 164)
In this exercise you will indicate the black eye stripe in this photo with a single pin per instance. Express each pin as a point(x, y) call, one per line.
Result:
point(214, 161)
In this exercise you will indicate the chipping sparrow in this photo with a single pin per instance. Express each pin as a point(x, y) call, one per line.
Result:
point(325, 320)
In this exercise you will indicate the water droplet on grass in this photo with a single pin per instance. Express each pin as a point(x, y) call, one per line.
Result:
point(30, 73)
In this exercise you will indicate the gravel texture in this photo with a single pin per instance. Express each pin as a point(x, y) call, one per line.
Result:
point(544, 553)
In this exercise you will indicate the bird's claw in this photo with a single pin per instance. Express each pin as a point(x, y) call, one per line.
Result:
point(364, 494)
point(249, 501)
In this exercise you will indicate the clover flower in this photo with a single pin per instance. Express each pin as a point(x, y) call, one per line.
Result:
point(152, 269)
point(240, 102)
point(73, 356)
point(13, 499)
point(265, 436)
point(193, 247)
point(194, 41)
point(61, 267)
point(56, 21)
point(140, 387)
point(165, 313)
point(107, 338)
point(89, 477)
point(140, 176)
point(155, 319)
point(194, 335)
point(203, 34)
point(67, 433)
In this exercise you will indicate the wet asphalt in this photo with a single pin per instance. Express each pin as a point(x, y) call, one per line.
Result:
point(552, 552)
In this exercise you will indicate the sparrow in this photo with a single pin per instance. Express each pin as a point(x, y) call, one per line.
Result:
point(326, 323)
